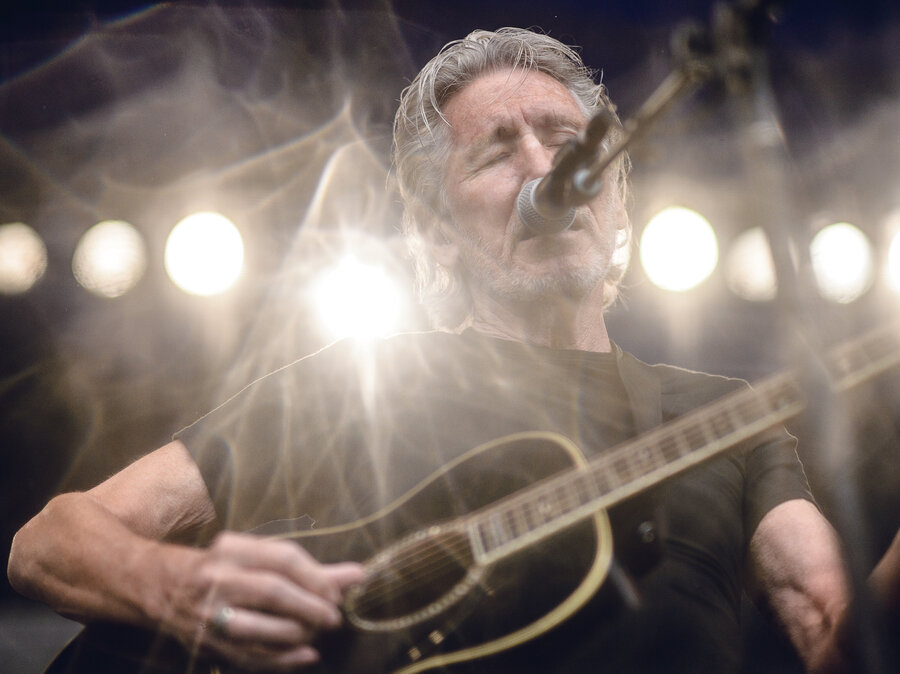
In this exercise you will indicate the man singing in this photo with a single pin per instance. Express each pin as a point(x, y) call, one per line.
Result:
point(520, 347)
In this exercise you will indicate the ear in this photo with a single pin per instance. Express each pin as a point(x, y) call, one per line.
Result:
point(442, 244)
point(445, 253)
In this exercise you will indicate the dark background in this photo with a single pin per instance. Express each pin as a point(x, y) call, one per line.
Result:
point(148, 112)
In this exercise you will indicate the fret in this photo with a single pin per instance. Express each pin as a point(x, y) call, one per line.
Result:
point(565, 498)
point(603, 477)
point(749, 409)
point(495, 531)
point(695, 436)
point(643, 460)
point(856, 362)
point(620, 467)
point(544, 509)
point(681, 443)
point(529, 516)
point(721, 422)
point(585, 487)
point(504, 524)
point(782, 400)
point(476, 538)
point(484, 535)
point(669, 447)
point(512, 524)
point(786, 395)
point(629, 468)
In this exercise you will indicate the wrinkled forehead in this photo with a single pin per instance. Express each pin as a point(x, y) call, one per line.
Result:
point(501, 99)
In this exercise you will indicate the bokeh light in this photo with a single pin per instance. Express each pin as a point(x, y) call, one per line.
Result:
point(892, 263)
point(678, 249)
point(842, 262)
point(749, 270)
point(204, 254)
point(110, 258)
point(23, 258)
point(354, 299)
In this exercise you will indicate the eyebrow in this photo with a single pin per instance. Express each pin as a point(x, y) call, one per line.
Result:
point(502, 133)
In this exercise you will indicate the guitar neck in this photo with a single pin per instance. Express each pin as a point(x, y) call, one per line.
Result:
point(549, 506)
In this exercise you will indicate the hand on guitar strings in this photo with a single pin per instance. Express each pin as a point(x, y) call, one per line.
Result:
point(257, 603)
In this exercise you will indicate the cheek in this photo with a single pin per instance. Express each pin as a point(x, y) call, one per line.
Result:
point(608, 207)
point(477, 200)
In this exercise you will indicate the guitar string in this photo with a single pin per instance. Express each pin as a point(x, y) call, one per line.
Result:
point(420, 564)
point(413, 563)
point(757, 403)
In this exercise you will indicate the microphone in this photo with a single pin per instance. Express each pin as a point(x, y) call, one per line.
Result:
point(547, 205)
point(537, 214)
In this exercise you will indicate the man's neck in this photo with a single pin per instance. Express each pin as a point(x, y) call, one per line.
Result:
point(559, 324)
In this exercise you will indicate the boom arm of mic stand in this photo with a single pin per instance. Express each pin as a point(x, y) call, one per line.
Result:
point(553, 195)
point(676, 86)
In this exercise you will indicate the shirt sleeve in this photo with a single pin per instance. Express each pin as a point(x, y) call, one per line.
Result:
point(774, 475)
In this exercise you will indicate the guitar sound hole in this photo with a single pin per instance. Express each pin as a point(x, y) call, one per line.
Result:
point(416, 577)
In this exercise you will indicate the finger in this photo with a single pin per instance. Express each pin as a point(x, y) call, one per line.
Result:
point(253, 657)
point(284, 557)
point(266, 630)
point(345, 574)
point(272, 593)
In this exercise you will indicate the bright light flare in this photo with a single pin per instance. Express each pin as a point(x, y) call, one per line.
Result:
point(842, 262)
point(892, 265)
point(110, 258)
point(354, 299)
point(749, 270)
point(678, 249)
point(204, 254)
point(23, 258)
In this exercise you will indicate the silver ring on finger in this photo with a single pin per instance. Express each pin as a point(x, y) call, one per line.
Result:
point(219, 623)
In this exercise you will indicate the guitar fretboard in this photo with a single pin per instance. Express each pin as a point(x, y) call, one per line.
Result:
point(553, 504)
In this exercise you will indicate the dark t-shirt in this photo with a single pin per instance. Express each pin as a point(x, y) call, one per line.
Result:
point(334, 438)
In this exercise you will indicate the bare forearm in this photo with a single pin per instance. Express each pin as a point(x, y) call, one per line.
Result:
point(799, 571)
point(81, 560)
point(101, 556)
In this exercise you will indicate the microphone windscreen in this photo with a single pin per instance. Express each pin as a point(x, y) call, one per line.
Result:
point(531, 217)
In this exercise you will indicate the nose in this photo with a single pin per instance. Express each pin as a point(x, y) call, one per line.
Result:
point(537, 158)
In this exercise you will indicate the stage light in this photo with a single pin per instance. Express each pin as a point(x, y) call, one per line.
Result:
point(892, 264)
point(354, 299)
point(892, 271)
point(842, 262)
point(749, 270)
point(204, 254)
point(23, 258)
point(678, 249)
point(110, 258)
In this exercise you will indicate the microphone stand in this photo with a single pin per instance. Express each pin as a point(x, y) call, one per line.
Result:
point(739, 33)
point(733, 51)
point(574, 179)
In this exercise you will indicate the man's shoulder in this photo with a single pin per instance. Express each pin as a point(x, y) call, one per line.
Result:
point(675, 381)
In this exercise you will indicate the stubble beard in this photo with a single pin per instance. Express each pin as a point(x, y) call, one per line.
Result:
point(565, 279)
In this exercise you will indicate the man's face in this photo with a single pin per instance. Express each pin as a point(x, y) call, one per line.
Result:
point(505, 129)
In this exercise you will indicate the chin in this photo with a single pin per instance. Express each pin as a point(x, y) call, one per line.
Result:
point(559, 282)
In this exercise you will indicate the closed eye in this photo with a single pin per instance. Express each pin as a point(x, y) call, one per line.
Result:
point(559, 139)
point(492, 158)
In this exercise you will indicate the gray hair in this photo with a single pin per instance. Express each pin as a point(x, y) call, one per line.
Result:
point(422, 143)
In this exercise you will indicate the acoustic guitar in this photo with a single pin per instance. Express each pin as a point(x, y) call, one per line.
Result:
point(489, 535)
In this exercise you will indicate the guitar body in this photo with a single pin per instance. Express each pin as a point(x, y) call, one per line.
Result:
point(443, 608)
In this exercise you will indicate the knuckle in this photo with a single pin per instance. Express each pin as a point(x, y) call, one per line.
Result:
point(272, 590)
point(282, 555)
point(211, 575)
